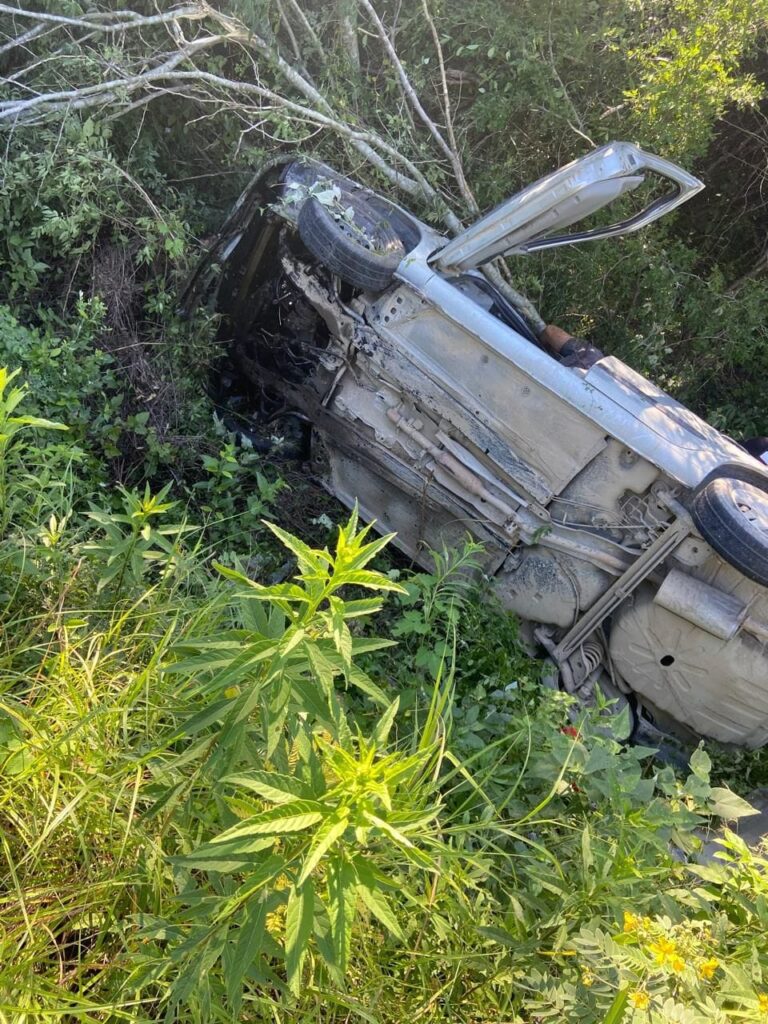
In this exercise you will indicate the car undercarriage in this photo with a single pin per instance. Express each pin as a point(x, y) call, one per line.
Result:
point(629, 536)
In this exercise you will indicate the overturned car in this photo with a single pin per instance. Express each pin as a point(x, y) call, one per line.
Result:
point(629, 535)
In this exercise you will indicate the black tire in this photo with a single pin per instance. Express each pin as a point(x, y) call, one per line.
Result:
point(731, 513)
point(364, 251)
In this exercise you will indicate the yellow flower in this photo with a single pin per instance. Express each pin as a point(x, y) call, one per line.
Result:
point(639, 1000)
point(707, 968)
point(663, 950)
point(677, 963)
point(587, 978)
point(631, 922)
point(763, 1002)
point(231, 692)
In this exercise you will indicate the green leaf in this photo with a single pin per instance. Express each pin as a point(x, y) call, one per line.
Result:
point(287, 591)
point(384, 725)
point(363, 682)
point(323, 939)
point(334, 827)
point(342, 896)
point(401, 840)
point(226, 857)
point(322, 667)
point(728, 805)
point(701, 765)
point(364, 645)
point(272, 786)
point(363, 606)
point(299, 918)
point(379, 906)
point(369, 551)
point(371, 580)
point(343, 641)
point(36, 421)
point(294, 817)
point(616, 1013)
point(317, 561)
point(204, 718)
point(247, 948)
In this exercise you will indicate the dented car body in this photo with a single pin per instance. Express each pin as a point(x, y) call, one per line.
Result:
point(629, 534)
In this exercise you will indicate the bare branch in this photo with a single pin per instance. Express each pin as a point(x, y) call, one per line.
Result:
point(90, 95)
point(289, 31)
point(463, 185)
point(24, 38)
point(276, 85)
point(133, 20)
point(518, 300)
point(310, 33)
point(415, 102)
point(347, 15)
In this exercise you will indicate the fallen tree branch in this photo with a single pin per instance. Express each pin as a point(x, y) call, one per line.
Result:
point(413, 99)
point(134, 20)
point(276, 85)
point(459, 169)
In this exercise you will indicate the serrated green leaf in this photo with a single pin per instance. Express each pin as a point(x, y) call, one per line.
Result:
point(323, 668)
point(204, 718)
point(371, 580)
point(299, 919)
point(308, 558)
point(334, 827)
point(247, 948)
point(293, 817)
point(363, 682)
point(379, 906)
point(342, 897)
point(272, 786)
point(225, 857)
point(384, 725)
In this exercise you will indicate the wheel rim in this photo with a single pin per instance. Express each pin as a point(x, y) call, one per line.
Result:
point(752, 505)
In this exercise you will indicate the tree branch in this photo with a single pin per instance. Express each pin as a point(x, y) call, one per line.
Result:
point(289, 90)
point(415, 102)
point(193, 12)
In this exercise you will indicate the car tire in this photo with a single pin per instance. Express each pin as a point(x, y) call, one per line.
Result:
point(364, 250)
point(730, 511)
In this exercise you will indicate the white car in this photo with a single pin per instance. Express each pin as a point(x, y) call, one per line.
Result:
point(630, 535)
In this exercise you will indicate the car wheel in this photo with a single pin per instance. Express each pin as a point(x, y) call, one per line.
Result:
point(731, 513)
point(352, 239)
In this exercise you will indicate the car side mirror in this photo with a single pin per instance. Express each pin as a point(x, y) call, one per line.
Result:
point(535, 218)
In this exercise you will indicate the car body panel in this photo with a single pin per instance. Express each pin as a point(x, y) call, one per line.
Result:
point(526, 222)
point(511, 404)
point(679, 443)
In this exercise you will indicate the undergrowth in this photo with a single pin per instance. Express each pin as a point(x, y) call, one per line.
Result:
point(224, 799)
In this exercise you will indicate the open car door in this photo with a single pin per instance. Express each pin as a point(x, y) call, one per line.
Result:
point(536, 217)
